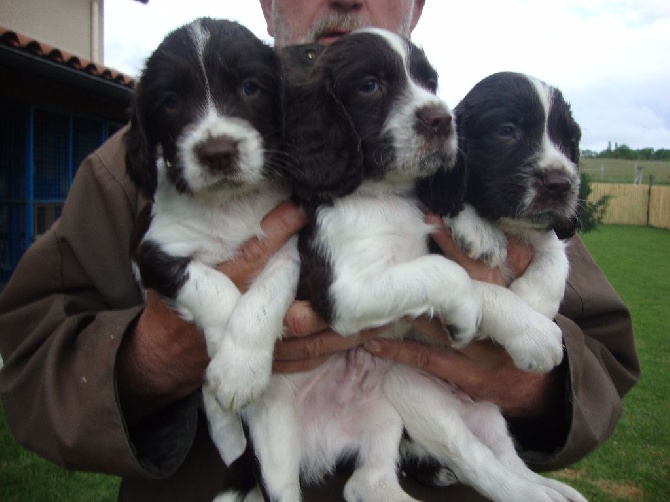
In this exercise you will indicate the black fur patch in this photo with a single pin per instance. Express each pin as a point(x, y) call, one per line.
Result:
point(334, 124)
point(160, 271)
point(172, 91)
point(500, 123)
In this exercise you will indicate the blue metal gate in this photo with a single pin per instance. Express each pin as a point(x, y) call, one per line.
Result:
point(40, 150)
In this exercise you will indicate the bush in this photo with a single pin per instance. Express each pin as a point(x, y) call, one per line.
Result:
point(590, 213)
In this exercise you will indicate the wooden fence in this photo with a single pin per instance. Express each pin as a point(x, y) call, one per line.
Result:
point(634, 204)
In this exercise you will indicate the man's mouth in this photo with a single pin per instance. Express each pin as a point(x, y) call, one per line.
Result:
point(328, 37)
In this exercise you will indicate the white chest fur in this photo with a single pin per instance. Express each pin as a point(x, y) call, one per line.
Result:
point(366, 233)
point(211, 226)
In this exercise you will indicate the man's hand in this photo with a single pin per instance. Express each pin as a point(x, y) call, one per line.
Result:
point(482, 369)
point(308, 341)
point(519, 255)
point(163, 359)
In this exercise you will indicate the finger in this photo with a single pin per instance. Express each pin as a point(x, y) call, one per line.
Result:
point(278, 226)
point(432, 327)
point(301, 320)
point(321, 344)
point(477, 270)
point(484, 350)
point(519, 255)
point(445, 364)
point(298, 366)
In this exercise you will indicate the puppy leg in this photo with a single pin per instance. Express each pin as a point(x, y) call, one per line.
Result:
point(375, 478)
point(542, 285)
point(477, 237)
point(427, 285)
point(534, 341)
point(240, 370)
point(433, 418)
point(274, 430)
point(209, 297)
point(225, 427)
point(488, 424)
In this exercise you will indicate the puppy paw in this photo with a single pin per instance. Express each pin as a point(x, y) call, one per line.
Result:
point(463, 319)
point(539, 348)
point(532, 492)
point(238, 376)
point(565, 492)
point(480, 239)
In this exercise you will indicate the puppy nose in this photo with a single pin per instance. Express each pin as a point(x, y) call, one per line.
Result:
point(218, 154)
point(557, 182)
point(434, 121)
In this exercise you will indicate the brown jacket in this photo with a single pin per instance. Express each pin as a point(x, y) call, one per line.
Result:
point(73, 298)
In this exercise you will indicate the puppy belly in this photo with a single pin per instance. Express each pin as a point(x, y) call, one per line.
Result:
point(341, 405)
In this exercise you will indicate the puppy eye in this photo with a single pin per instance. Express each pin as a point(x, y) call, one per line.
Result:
point(431, 85)
point(369, 86)
point(249, 88)
point(170, 100)
point(507, 131)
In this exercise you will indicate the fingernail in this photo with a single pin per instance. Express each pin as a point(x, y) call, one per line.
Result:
point(300, 214)
point(373, 346)
point(293, 216)
point(433, 219)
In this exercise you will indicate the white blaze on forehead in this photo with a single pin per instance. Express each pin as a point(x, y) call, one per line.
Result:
point(551, 155)
point(395, 41)
point(400, 46)
point(543, 94)
point(200, 37)
point(400, 122)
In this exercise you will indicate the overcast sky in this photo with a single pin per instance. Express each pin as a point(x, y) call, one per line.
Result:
point(611, 58)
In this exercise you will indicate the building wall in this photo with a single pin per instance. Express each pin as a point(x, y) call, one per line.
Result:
point(46, 20)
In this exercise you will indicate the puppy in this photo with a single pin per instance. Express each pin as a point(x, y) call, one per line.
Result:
point(203, 147)
point(365, 127)
point(519, 149)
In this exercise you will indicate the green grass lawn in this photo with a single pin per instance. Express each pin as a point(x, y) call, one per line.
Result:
point(26, 477)
point(633, 466)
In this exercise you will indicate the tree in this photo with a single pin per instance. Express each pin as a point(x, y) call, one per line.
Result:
point(624, 152)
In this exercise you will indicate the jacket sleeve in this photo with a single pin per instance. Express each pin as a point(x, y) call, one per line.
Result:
point(601, 362)
point(63, 315)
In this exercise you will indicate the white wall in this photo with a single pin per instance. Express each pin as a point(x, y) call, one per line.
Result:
point(70, 25)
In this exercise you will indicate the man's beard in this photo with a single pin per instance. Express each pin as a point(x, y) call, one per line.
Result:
point(329, 23)
point(334, 23)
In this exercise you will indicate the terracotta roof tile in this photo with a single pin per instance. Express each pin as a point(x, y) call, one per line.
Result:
point(59, 56)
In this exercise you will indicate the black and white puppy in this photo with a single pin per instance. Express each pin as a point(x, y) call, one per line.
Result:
point(519, 149)
point(365, 127)
point(203, 147)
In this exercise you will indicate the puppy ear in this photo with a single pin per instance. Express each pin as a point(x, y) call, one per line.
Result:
point(323, 141)
point(444, 192)
point(141, 155)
